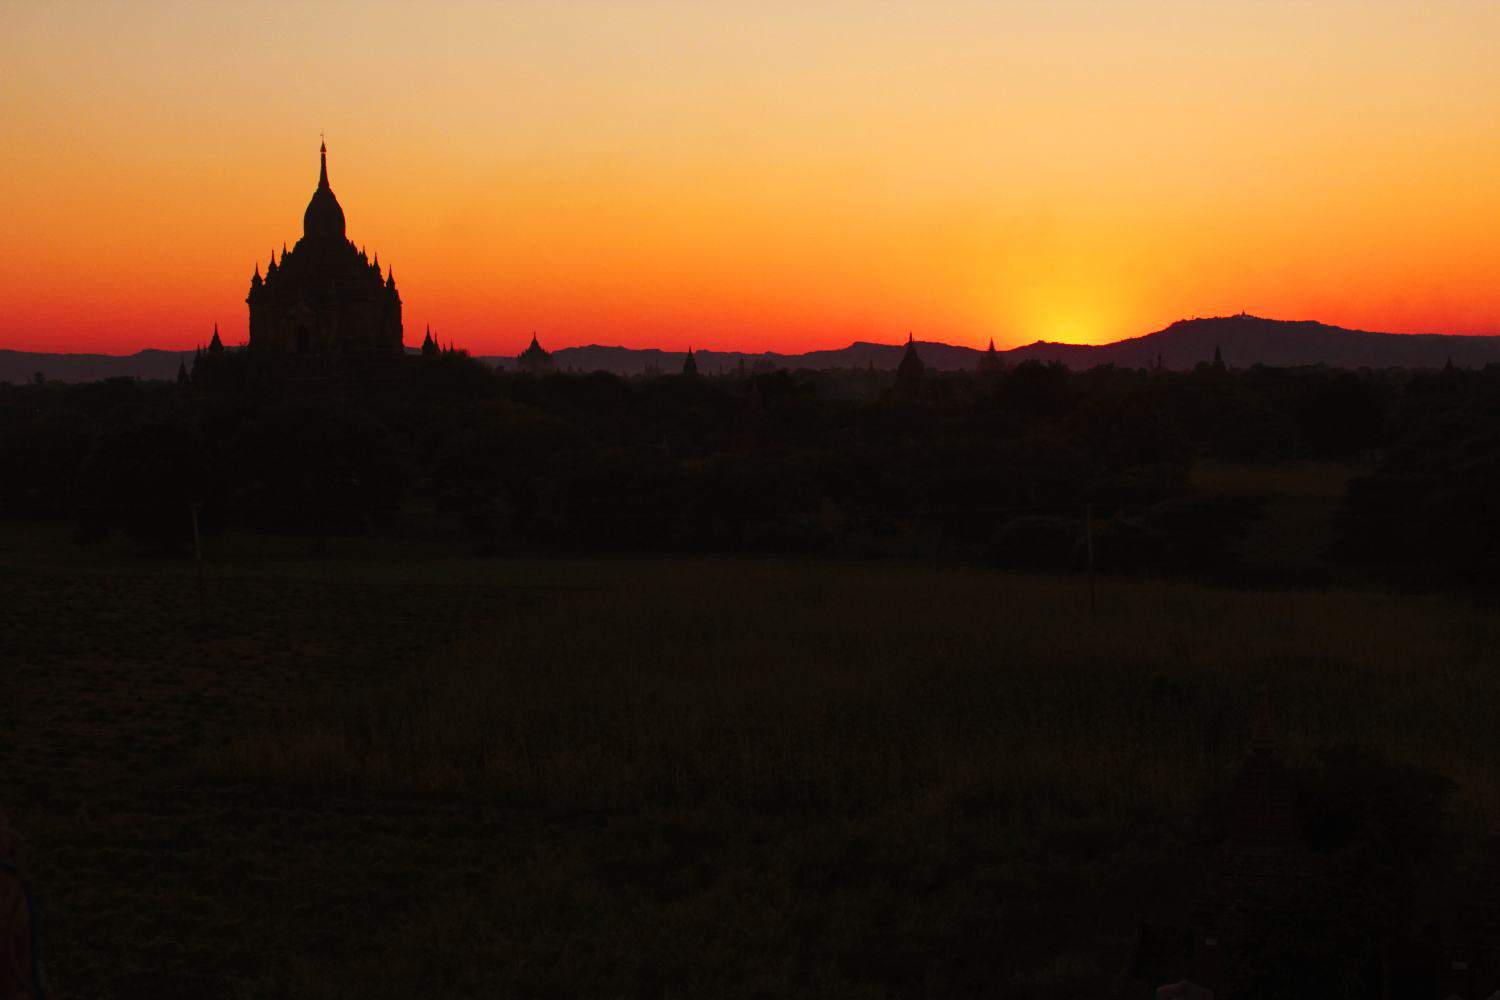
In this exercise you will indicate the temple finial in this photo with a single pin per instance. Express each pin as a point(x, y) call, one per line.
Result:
point(322, 161)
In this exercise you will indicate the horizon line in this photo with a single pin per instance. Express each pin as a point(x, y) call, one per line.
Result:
point(816, 350)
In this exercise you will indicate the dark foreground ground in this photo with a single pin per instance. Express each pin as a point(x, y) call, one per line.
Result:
point(395, 772)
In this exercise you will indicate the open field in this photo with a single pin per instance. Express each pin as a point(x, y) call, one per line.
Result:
point(396, 771)
point(1295, 529)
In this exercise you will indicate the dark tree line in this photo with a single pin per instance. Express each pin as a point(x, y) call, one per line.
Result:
point(987, 465)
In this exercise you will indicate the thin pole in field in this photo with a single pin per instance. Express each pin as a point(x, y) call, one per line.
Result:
point(198, 558)
point(1088, 536)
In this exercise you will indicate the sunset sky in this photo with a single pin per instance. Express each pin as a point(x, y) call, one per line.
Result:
point(756, 175)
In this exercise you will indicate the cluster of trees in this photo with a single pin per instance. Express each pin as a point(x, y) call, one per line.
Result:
point(1429, 512)
point(998, 465)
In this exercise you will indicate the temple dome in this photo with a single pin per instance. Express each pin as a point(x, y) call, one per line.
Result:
point(324, 295)
point(324, 219)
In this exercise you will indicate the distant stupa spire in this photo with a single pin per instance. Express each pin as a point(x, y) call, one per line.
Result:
point(909, 371)
point(322, 163)
point(990, 361)
point(535, 358)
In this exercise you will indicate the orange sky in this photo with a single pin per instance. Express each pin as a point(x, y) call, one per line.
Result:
point(759, 175)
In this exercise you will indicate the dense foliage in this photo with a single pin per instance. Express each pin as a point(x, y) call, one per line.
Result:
point(998, 466)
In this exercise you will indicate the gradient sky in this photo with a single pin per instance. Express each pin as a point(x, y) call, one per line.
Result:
point(756, 175)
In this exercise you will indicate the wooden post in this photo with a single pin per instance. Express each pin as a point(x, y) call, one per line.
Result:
point(1088, 536)
point(198, 558)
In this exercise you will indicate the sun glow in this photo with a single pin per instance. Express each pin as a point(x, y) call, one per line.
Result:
point(762, 177)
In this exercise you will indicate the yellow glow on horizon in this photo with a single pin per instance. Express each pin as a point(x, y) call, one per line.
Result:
point(758, 176)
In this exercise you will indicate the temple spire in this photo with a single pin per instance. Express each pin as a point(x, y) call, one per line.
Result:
point(909, 371)
point(322, 164)
point(990, 361)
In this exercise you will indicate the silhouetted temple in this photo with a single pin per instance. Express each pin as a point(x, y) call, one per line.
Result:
point(324, 295)
point(910, 371)
point(990, 360)
point(534, 358)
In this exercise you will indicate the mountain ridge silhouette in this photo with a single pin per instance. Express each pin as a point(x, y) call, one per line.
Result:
point(1244, 340)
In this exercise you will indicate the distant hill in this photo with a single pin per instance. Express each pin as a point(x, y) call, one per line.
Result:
point(1244, 341)
point(860, 354)
point(22, 366)
point(1250, 340)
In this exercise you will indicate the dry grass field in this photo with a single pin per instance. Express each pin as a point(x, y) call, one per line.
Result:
point(395, 771)
point(1296, 527)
